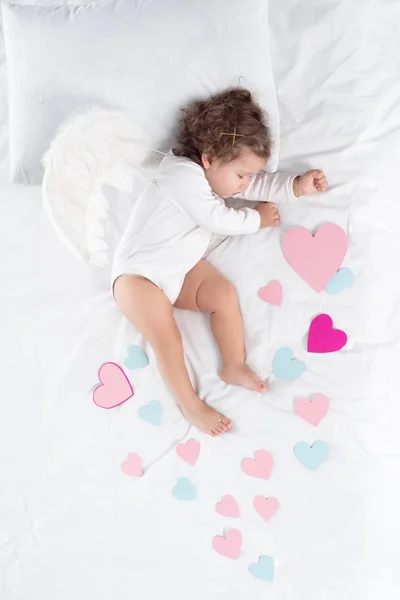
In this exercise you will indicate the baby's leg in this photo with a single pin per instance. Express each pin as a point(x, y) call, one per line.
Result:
point(206, 289)
point(150, 311)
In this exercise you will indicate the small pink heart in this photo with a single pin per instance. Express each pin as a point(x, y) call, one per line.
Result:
point(315, 258)
point(114, 388)
point(266, 507)
point(189, 452)
point(133, 465)
point(228, 507)
point(271, 293)
point(312, 411)
point(260, 466)
point(228, 545)
point(322, 338)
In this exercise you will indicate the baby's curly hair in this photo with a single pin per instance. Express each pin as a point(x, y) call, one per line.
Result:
point(223, 126)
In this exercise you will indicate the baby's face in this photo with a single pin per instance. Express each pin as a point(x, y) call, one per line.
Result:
point(234, 177)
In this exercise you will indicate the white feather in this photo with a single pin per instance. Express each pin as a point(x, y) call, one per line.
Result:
point(90, 150)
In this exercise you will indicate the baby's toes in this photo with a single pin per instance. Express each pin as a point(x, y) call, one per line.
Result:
point(227, 422)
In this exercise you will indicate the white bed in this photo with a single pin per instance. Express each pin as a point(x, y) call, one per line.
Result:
point(72, 525)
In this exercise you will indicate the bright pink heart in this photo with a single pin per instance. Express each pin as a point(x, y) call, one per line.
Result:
point(228, 507)
point(266, 507)
point(322, 338)
point(189, 452)
point(271, 293)
point(114, 388)
point(260, 466)
point(228, 545)
point(133, 465)
point(315, 258)
point(312, 411)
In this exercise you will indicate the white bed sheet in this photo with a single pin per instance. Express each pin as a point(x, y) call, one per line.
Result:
point(71, 523)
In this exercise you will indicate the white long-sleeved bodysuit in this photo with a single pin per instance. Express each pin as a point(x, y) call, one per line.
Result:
point(175, 217)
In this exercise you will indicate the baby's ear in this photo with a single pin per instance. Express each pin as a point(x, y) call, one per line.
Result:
point(206, 160)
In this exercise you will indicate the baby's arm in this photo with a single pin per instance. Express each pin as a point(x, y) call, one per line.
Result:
point(191, 194)
point(283, 187)
point(270, 187)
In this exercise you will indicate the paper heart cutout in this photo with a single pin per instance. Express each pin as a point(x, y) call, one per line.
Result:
point(228, 545)
point(114, 388)
point(341, 280)
point(184, 489)
point(152, 412)
point(228, 507)
point(136, 358)
point(266, 507)
point(286, 366)
point(314, 410)
point(263, 569)
point(322, 338)
point(312, 456)
point(272, 293)
point(260, 466)
point(315, 258)
point(133, 465)
point(189, 452)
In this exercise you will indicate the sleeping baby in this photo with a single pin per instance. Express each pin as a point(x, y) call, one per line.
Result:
point(159, 264)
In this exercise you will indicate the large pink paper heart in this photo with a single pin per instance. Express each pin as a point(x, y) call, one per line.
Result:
point(266, 507)
point(315, 258)
point(114, 388)
point(271, 293)
point(228, 507)
point(322, 338)
point(312, 411)
point(133, 465)
point(189, 452)
point(228, 545)
point(260, 466)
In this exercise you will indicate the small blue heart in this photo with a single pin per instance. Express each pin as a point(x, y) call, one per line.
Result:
point(151, 412)
point(285, 366)
point(341, 280)
point(184, 489)
point(136, 358)
point(263, 569)
point(312, 456)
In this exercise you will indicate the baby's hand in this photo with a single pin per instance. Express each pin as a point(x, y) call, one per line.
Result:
point(311, 182)
point(269, 216)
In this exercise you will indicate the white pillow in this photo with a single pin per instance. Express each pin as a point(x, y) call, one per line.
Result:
point(148, 58)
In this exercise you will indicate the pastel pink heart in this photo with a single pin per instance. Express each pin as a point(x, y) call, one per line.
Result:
point(228, 545)
point(315, 258)
point(189, 452)
point(133, 465)
point(272, 293)
point(228, 507)
point(114, 388)
point(314, 410)
point(322, 338)
point(266, 507)
point(260, 466)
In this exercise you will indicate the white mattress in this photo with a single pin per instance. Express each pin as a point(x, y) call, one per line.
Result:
point(72, 525)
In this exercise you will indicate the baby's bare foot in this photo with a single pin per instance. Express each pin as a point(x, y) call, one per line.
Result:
point(240, 374)
point(207, 419)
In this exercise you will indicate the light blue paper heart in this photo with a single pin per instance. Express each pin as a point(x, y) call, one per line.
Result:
point(136, 358)
point(286, 366)
point(152, 412)
point(263, 569)
point(312, 456)
point(341, 280)
point(184, 489)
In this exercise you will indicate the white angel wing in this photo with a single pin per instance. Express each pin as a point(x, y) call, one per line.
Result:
point(92, 150)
